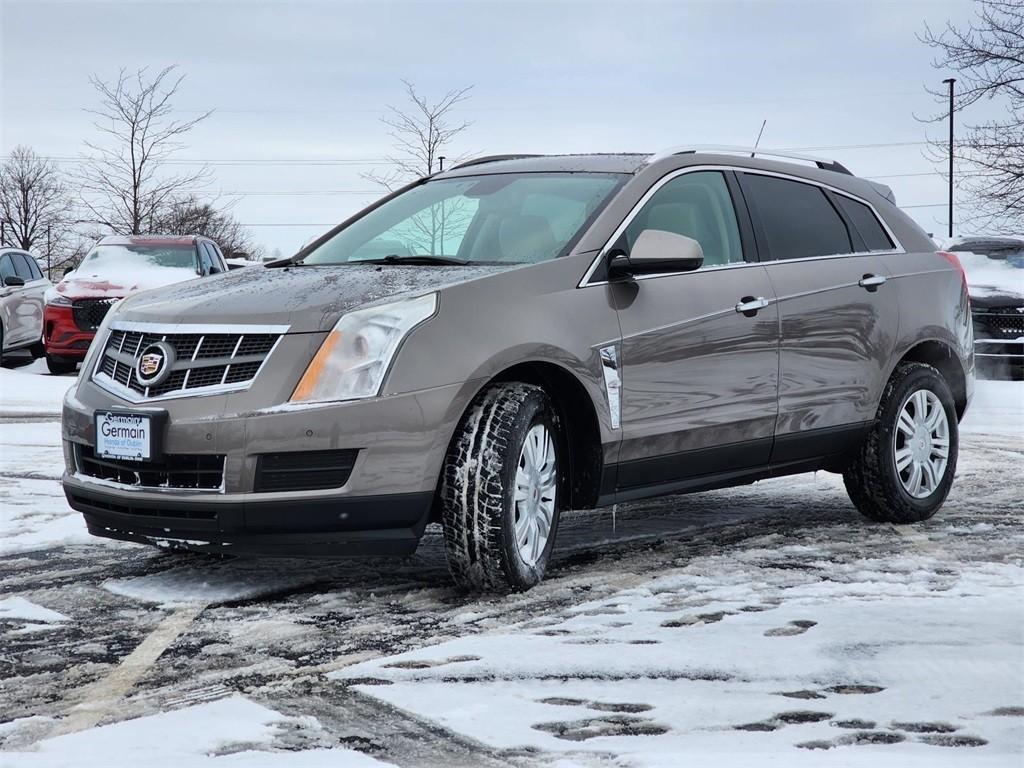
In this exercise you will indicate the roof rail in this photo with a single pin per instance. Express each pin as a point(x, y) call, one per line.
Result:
point(823, 163)
point(490, 159)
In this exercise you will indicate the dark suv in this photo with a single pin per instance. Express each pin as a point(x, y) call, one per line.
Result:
point(520, 335)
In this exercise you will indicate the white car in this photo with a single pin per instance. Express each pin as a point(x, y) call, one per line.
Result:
point(21, 302)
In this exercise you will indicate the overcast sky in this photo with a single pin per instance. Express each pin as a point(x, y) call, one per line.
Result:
point(298, 88)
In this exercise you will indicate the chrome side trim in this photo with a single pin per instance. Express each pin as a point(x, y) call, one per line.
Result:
point(602, 254)
point(612, 383)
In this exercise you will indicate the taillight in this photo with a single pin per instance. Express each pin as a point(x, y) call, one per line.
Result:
point(952, 259)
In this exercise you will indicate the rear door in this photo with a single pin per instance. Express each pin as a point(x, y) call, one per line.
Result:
point(838, 318)
point(699, 378)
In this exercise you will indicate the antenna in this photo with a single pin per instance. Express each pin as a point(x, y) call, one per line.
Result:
point(759, 134)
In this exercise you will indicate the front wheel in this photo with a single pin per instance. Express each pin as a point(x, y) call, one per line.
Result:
point(904, 469)
point(499, 490)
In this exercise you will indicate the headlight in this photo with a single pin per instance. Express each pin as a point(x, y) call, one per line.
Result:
point(355, 356)
point(54, 299)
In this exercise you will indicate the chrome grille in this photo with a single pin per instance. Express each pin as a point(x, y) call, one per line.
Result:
point(209, 359)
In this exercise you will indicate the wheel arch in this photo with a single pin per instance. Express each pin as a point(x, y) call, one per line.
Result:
point(943, 358)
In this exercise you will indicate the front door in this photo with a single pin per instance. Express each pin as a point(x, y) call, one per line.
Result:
point(699, 374)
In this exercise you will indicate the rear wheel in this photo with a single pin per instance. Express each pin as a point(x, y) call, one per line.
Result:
point(59, 365)
point(499, 490)
point(904, 469)
point(38, 350)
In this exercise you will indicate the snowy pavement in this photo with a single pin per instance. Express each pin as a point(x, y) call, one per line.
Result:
point(763, 625)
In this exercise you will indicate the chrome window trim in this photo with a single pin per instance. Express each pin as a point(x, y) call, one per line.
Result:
point(117, 389)
point(602, 253)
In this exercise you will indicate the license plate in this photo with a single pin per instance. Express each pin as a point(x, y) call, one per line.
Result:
point(124, 436)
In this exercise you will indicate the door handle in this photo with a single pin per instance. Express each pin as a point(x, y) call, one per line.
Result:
point(749, 305)
point(871, 282)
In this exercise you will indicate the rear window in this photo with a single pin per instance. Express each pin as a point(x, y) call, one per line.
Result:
point(798, 220)
point(866, 224)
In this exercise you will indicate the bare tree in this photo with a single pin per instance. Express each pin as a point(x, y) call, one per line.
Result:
point(192, 216)
point(125, 182)
point(35, 207)
point(423, 133)
point(988, 57)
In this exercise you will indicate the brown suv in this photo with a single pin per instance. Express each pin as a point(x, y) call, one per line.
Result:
point(525, 334)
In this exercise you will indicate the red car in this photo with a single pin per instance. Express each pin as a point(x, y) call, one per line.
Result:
point(117, 267)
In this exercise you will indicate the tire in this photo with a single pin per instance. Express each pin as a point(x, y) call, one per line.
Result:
point(38, 350)
point(59, 365)
point(877, 488)
point(479, 509)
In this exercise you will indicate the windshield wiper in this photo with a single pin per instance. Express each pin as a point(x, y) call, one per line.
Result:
point(394, 258)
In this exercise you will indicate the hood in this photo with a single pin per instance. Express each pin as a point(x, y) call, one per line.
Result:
point(999, 279)
point(84, 283)
point(306, 298)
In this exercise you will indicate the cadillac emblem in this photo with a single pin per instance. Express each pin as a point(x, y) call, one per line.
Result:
point(154, 364)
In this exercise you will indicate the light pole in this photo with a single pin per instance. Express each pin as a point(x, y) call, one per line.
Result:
point(950, 81)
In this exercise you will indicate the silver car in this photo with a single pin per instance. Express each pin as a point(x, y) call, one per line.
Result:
point(22, 289)
point(521, 335)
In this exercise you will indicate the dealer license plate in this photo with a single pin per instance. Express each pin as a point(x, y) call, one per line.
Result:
point(124, 436)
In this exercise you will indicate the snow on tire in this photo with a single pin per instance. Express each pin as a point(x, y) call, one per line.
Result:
point(499, 489)
point(903, 470)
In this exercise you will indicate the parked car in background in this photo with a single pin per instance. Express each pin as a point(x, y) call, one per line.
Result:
point(995, 277)
point(240, 263)
point(117, 267)
point(22, 286)
point(516, 336)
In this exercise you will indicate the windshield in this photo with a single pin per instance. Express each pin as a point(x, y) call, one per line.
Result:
point(113, 258)
point(490, 219)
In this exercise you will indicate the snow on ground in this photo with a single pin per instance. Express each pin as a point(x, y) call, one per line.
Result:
point(803, 646)
point(230, 732)
point(20, 609)
point(997, 409)
point(743, 665)
point(230, 582)
point(32, 390)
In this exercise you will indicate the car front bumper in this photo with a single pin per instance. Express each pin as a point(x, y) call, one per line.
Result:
point(381, 507)
point(62, 336)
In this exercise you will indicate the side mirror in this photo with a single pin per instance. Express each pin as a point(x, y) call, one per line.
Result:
point(658, 252)
point(13, 281)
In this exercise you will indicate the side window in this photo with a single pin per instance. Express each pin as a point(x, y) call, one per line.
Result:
point(7, 267)
point(207, 260)
point(866, 224)
point(798, 220)
point(697, 205)
point(23, 266)
point(33, 266)
point(218, 257)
